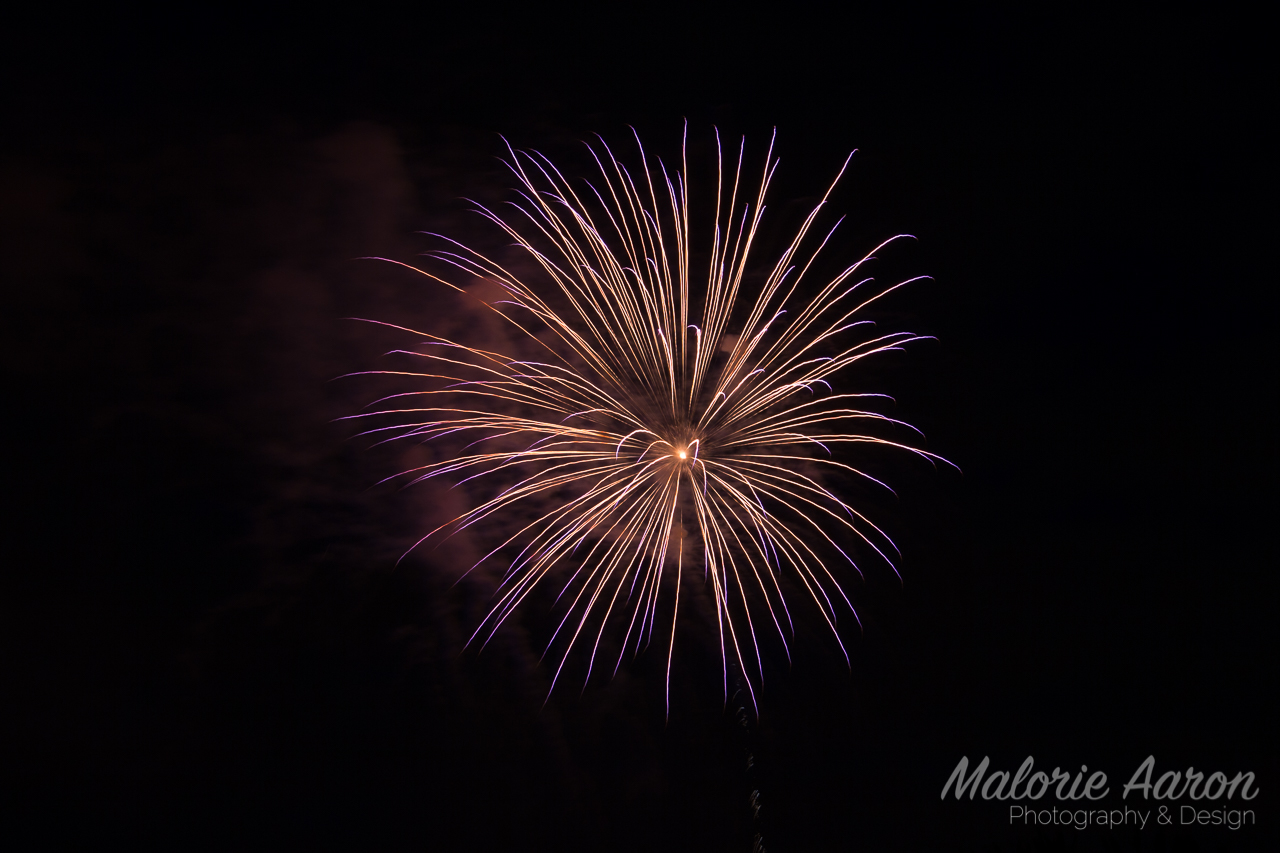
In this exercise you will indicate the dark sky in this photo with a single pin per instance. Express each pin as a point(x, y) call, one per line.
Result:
point(206, 641)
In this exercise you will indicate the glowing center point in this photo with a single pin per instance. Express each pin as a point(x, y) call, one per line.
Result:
point(682, 454)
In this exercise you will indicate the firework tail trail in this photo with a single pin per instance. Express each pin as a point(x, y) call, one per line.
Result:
point(631, 420)
point(746, 739)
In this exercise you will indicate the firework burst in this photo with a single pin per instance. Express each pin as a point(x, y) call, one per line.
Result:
point(674, 423)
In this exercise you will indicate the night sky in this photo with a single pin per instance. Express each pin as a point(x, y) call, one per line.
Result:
point(206, 640)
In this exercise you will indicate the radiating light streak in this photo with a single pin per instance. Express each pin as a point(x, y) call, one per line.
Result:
point(647, 419)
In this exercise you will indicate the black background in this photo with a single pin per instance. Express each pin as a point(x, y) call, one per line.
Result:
point(206, 642)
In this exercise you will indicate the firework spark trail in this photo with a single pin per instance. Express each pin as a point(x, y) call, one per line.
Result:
point(636, 415)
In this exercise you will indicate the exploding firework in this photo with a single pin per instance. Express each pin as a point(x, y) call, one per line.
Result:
point(676, 419)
